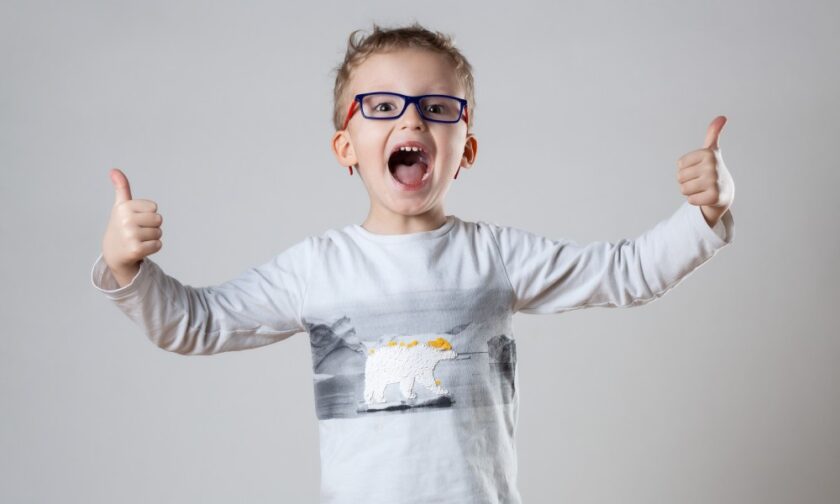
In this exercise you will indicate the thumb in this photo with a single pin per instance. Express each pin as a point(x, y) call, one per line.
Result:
point(713, 133)
point(121, 188)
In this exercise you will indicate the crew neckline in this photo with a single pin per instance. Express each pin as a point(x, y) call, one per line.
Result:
point(406, 237)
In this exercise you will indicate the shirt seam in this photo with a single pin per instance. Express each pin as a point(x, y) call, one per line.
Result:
point(504, 267)
point(305, 289)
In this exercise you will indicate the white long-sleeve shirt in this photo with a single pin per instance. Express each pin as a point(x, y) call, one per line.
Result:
point(413, 353)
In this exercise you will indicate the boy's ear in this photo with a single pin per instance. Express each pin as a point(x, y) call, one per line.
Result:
point(470, 151)
point(343, 148)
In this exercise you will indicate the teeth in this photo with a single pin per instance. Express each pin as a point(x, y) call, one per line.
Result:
point(410, 149)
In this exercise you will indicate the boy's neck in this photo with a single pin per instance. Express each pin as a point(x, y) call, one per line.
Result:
point(393, 223)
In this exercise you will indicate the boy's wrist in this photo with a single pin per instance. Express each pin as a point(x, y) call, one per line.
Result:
point(124, 275)
point(712, 214)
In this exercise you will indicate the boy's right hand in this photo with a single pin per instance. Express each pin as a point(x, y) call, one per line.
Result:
point(133, 231)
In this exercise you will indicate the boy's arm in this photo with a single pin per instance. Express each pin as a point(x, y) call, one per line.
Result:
point(553, 276)
point(261, 306)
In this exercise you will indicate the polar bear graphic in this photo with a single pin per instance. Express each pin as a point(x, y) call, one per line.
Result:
point(404, 363)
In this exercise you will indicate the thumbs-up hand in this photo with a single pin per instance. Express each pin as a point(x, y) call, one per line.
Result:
point(703, 176)
point(133, 230)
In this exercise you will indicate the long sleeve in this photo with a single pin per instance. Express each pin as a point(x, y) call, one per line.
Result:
point(261, 306)
point(552, 276)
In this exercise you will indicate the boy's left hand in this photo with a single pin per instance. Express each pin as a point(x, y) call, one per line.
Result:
point(703, 176)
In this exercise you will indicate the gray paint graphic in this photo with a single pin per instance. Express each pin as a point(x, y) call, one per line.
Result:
point(457, 380)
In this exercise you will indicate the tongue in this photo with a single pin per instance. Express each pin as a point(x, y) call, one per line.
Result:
point(409, 174)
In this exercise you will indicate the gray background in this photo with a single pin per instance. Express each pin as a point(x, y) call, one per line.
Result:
point(724, 390)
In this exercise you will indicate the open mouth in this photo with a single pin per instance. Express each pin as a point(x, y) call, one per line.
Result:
point(409, 167)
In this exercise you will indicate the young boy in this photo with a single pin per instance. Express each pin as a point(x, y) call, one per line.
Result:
point(409, 314)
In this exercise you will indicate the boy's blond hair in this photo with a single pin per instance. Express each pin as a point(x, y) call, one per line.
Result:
point(384, 40)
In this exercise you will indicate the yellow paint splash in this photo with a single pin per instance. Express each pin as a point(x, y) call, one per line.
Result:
point(440, 344)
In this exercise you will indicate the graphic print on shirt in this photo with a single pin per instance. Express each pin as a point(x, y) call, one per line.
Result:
point(409, 372)
point(404, 364)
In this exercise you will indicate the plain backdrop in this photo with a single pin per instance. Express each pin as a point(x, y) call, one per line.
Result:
point(725, 390)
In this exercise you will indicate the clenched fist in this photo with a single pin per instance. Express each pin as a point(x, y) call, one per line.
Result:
point(133, 231)
point(703, 176)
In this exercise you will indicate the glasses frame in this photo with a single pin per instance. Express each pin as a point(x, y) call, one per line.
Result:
point(408, 100)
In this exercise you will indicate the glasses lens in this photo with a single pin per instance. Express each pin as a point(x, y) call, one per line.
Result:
point(382, 106)
point(441, 108)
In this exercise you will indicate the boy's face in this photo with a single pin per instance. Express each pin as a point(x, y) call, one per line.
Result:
point(369, 142)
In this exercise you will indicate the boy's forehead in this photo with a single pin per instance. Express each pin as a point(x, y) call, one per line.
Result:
point(407, 71)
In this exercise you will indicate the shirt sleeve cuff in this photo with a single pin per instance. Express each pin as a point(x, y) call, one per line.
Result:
point(103, 279)
point(722, 233)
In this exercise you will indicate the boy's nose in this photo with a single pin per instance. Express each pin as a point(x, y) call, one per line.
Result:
point(411, 118)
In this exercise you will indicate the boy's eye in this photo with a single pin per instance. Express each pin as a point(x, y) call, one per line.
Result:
point(383, 104)
point(436, 108)
point(383, 107)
